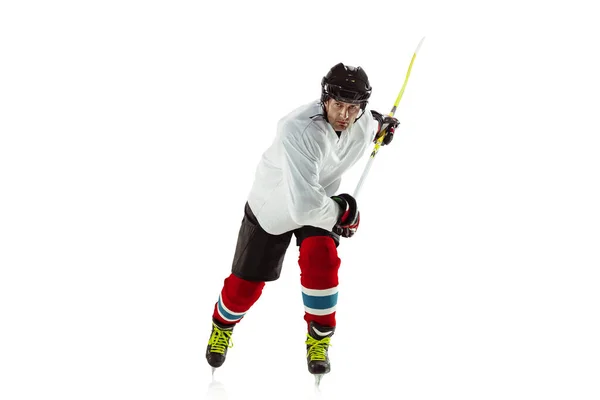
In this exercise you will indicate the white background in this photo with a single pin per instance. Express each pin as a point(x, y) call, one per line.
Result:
point(130, 131)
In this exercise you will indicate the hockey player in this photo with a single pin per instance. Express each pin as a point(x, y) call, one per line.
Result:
point(293, 194)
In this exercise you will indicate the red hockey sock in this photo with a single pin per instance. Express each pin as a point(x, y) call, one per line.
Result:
point(237, 296)
point(319, 265)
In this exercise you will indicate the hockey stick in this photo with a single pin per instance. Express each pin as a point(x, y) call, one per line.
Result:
point(391, 114)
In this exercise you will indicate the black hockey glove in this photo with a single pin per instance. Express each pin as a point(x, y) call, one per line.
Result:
point(349, 217)
point(387, 127)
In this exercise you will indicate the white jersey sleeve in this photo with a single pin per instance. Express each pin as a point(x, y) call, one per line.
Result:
point(333, 187)
point(307, 201)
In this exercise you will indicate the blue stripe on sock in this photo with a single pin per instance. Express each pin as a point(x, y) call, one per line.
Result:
point(226, 314)
point(319, 302)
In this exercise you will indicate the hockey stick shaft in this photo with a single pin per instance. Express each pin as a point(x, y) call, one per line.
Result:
point(391, 114)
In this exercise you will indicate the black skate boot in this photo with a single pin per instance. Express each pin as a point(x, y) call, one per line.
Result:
point(317, 343)
point(219, 342)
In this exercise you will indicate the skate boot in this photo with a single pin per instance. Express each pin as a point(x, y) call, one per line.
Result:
point(219, 342)
point(317, 343)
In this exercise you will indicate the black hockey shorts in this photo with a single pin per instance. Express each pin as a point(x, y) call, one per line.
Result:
point(259, 255)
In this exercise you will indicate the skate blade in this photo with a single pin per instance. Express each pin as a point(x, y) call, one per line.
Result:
point(318, 378)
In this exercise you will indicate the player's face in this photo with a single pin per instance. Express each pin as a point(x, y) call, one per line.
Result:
point(341, 115)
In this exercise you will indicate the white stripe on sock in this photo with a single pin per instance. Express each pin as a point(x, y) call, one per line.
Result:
point(319, 292)
point(314, 311)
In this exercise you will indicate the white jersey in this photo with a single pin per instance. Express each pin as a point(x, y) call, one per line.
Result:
point(303, 167)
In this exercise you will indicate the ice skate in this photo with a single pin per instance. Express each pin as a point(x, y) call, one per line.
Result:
point(218, 344)
point(317, 344)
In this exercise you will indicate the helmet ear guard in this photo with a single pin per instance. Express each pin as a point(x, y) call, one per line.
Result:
point(324, 95)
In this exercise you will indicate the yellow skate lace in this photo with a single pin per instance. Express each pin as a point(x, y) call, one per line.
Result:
point(318, 348)
point(220, 340)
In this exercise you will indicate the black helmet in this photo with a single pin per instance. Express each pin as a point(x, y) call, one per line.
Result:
point(347, 84)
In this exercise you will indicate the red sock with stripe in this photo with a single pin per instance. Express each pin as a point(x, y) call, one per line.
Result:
point(319, 265)
point(236, 298)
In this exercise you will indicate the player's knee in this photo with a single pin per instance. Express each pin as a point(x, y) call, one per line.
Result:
point(244, 288)
point(319, 251)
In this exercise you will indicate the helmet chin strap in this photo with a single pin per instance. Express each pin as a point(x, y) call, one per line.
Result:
point(363, 112)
